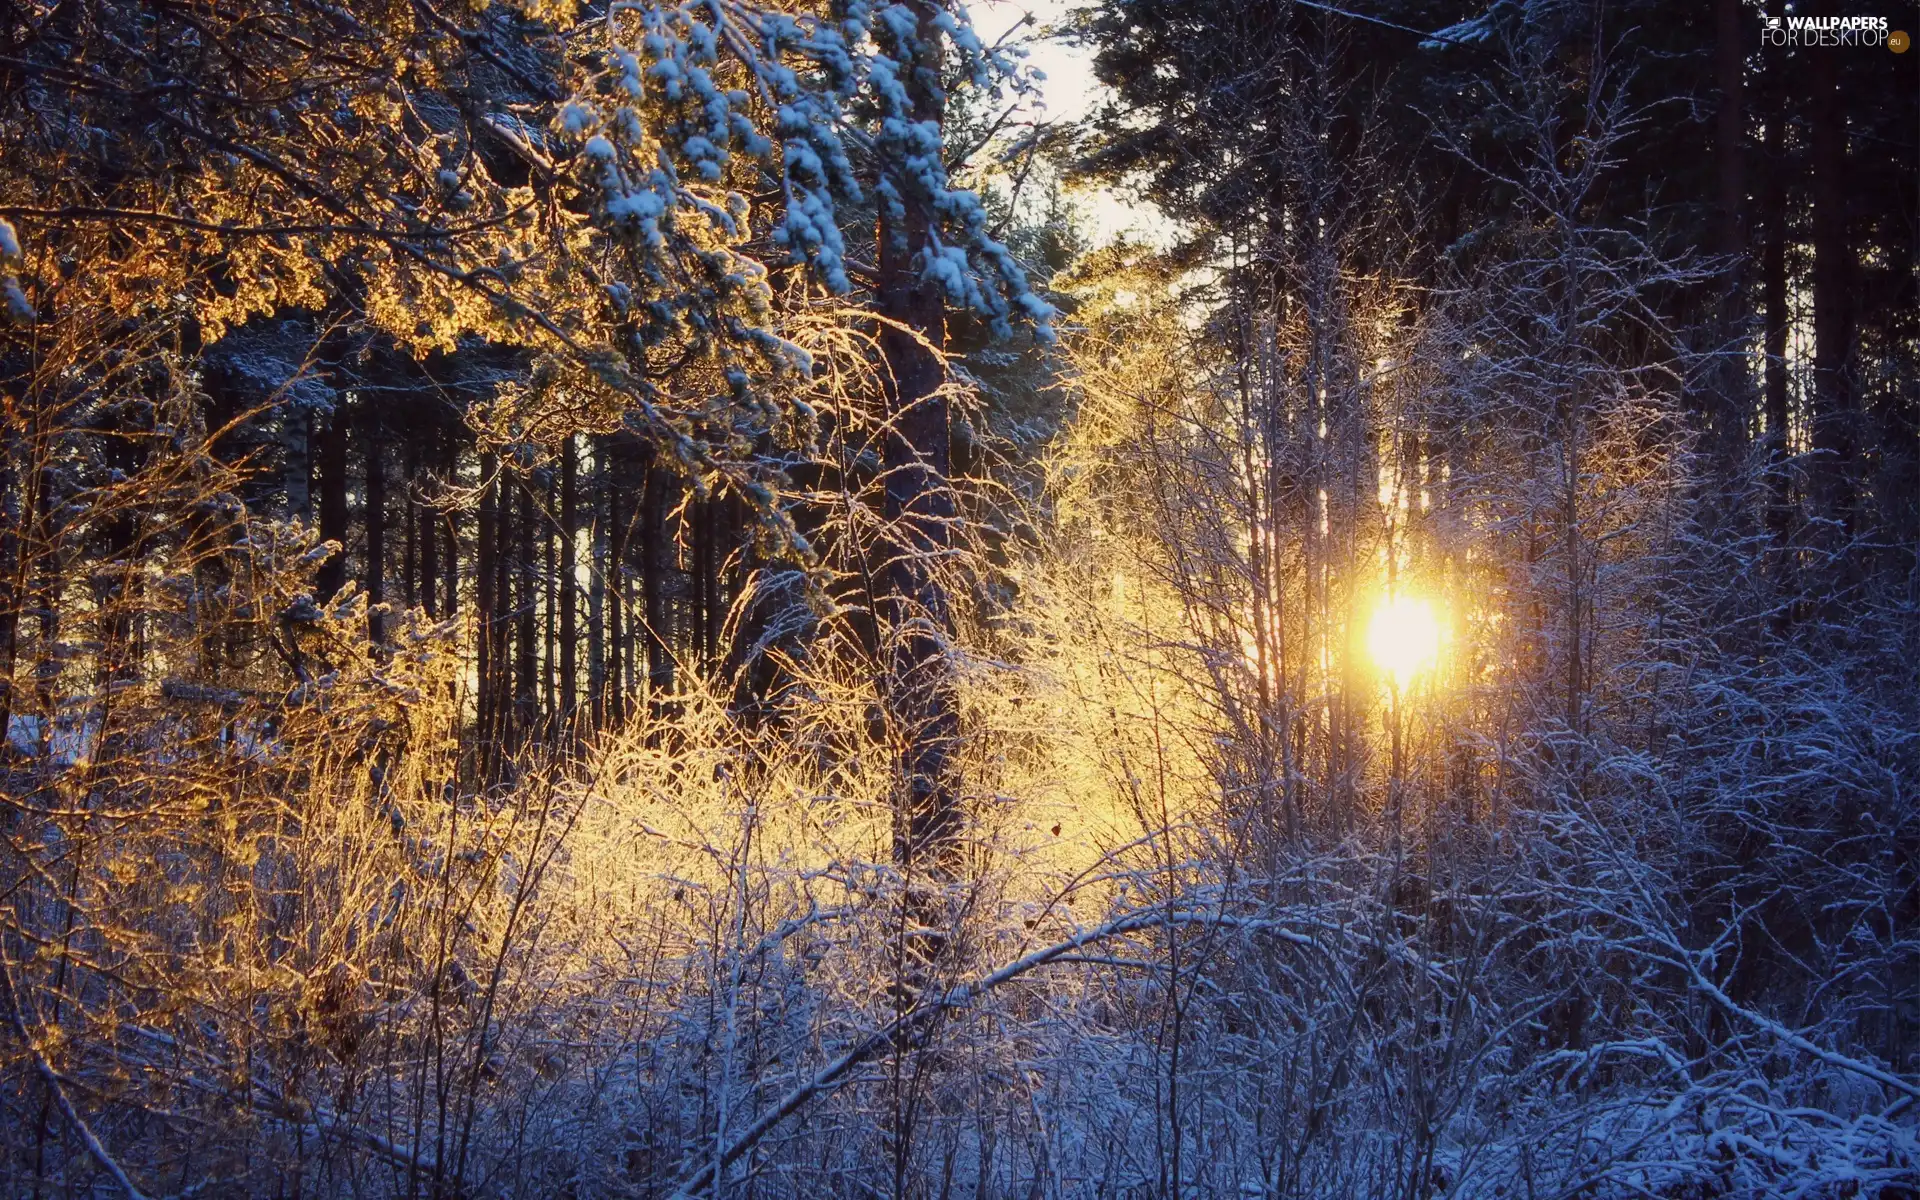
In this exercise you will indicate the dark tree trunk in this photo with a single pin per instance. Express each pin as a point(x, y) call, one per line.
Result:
point(376, 527)
point(1833, 417)
point(1730, 126)
point(15, 505)
point(450, 607)
point(914, 617)
point(569, 533)
point(616, 599)
point(485, 611)
point(504, 624)
point(429, 537)
point(1734, 393)
point(598, 599)
point(657, 552)
point(549, 625)
point(718, 550)
point(705, 513)
point(333, 500)
point(410, 527)
point(527, 698)
point(1773, 267)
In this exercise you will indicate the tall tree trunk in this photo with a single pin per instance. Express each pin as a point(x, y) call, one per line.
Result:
point(549, 622)
point(485, 568)
point(525, 629)
point(502, 651)
point(1833, 417)
point(616, 589)
point(376, 526)
point(1730, 125)
point(1773, 267)
point(700, 581)
point(333, 499)
point(450, 607)
point(725, 585)
point(597, 598)
point(1734, 399)
point(429, 537)
point(527, 613)
point(569, 534)
point(656, 561)
point(410, 525)
point(16, 503)
point(915, 619)
point(713, 515)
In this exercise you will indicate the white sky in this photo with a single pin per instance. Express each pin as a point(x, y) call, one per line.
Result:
point(1069, 92)
point(1070, 89)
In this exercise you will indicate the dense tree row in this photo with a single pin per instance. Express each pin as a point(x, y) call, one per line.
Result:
point(591, 568)
point(1784, 173)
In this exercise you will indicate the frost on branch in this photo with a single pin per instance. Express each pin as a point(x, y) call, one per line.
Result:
point(668, 135)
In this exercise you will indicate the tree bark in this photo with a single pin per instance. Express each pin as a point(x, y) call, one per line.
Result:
point(15, 505)
point(428, 538)
point(501, 625)
point(915, 619)
point(526, 619)
point(451, 606)
point(549, 624)
point(1734, 400)
point(656, 561)
point(597, 598)
point(1833, 417)
point(569, 534)
point(410, 524)
point(616, 598)
point(376, 526)
point(1773, 268)
point(701, 513)
point(484, 613)
point(1730, 126)
point(333, 499)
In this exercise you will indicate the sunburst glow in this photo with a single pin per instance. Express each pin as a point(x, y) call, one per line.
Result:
point(1404, 638)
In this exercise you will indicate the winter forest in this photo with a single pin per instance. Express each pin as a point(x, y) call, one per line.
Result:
point(1143, 599)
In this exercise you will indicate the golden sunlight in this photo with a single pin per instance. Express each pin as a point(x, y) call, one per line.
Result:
point(1404, 638)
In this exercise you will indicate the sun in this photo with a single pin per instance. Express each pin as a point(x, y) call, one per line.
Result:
point(1404, 638)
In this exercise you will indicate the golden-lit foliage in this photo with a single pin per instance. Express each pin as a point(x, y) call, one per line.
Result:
point(371, 167)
